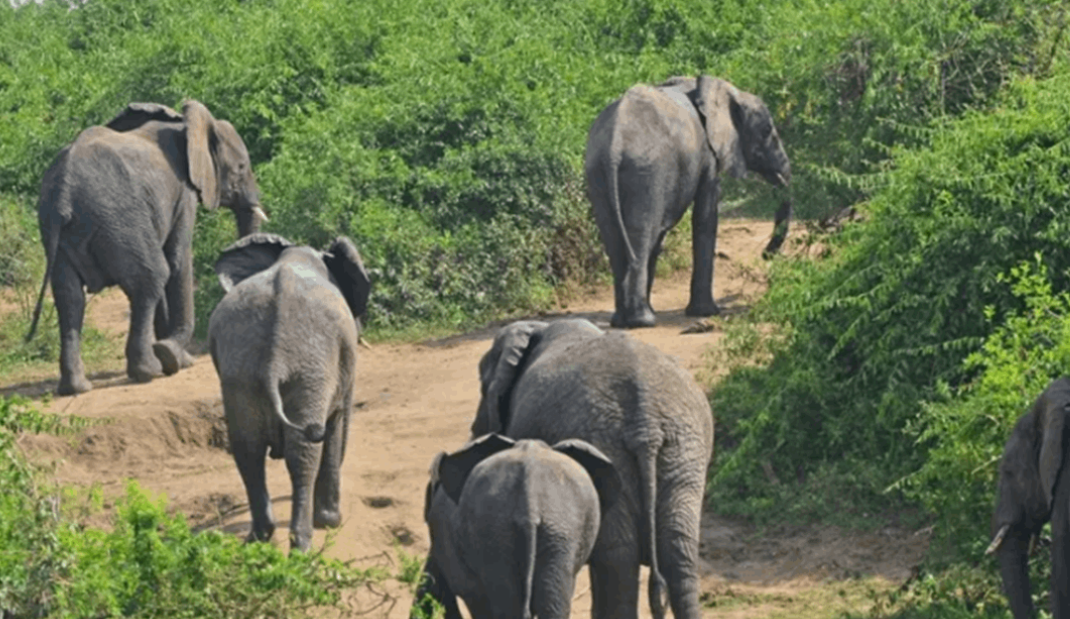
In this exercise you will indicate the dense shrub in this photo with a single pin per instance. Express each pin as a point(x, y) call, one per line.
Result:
point(447, 136)
point(150, 564)
point(869, 333)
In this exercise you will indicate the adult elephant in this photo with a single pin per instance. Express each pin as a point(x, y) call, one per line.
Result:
point(117, 207)
point(653, 152)
point(1034, 487)
point(284, 343)
point(570, 380)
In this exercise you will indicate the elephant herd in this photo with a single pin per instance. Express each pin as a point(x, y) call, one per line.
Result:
point(588, 447)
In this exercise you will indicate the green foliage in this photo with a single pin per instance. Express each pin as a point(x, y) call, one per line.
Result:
point(967, 428)
point(867, 334)
point(446, 137)
point(150, 564)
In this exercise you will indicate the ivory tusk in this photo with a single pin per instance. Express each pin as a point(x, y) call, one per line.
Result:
point(363, 342)
point(997, 540)
point(260, 214)
point(780, 178)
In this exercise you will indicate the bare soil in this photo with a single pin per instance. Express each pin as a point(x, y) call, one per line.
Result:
point(416, 399)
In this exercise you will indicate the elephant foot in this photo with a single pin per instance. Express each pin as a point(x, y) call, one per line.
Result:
point(643, 319)
point(145, 371)
point(299, 542)
point(172, 357)
point(73, 386)
point(260, 536)
point(708, 308)
point(326, 519)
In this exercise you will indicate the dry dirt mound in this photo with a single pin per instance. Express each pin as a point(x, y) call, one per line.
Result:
point(414, 401)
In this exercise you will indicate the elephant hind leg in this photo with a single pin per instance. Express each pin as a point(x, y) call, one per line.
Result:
point(69, 298)
point(679, 529)
point(303, 460)
point(326, 509)
point(614, 570)
point(249, 456)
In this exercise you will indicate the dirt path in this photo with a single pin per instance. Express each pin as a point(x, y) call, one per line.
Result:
point(418, 399)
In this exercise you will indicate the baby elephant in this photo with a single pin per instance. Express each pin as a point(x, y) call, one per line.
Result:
point(284, 343)
point(512, 523)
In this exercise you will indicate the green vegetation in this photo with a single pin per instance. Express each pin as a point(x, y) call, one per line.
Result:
point(446, 138)
point(149, 564)
point(899, 361)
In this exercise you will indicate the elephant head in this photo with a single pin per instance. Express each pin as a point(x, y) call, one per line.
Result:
point(498, 372)
point(218, 164)
point(1033, 460)
point(451, 471)
point(741, 134)
point(259, 251)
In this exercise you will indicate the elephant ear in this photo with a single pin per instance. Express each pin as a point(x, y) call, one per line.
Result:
point(1053, 443)
point(247, 257)
point(601, 469)
point(200, 139)
point(498, 373)
point(718, 106)
point(453, 469)
point(344, 263)
point(137, 114)
point(432, 485)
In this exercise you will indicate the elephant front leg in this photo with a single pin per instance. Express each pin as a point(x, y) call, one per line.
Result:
point(704, 248)
point(70, 305)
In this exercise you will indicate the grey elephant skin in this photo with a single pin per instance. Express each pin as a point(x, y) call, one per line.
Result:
point(118, 206)
point(570, 380)
point(511, 525)
point(652, 153)
point(1034, 487)
point(284, 343)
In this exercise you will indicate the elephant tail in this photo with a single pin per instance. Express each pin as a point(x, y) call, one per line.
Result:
point(613, 185)
point(313, 432)
point(529, 541)
point(648, 480)
point(51, 249)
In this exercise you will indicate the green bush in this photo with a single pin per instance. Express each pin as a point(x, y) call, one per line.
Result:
point(150, 564)
point(873, 330)
point(447, 136)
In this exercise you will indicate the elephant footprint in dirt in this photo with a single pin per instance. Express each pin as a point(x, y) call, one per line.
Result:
point(284, 343)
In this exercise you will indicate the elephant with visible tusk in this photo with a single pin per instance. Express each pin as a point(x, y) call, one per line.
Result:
point(653, 152)
point(117, 208)
point(1034, 487)
point(284, 343)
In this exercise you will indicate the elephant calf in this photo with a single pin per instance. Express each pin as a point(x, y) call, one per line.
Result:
point(1033, 488)
point(512, 523)
point(284, 343)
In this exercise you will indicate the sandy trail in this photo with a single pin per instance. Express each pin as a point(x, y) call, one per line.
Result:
point(414, 400)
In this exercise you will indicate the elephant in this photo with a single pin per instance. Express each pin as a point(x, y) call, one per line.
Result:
point(568, 379)
point(653, 152)
point(284, 343)
point(1033, 488)
point(512, 523)
point(117, 207)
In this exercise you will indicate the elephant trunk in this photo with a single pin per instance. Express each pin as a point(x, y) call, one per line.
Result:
point(249, 219)
point(781, 222)
point(1014, 568)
